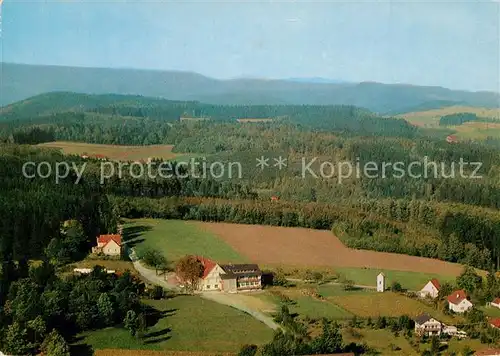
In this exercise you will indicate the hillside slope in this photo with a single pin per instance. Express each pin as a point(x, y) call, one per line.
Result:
point(19, 82)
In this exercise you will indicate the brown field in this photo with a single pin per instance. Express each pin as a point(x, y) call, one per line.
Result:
point(123, 352)
point(298, 246)
point(254, 120)
point(114, 152)
point(194, 119)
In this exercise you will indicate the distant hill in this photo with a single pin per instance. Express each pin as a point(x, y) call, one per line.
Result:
point(22, 81)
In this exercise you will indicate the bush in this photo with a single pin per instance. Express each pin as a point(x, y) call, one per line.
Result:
point(396, 287)
point(157, 293)
point(248, 350)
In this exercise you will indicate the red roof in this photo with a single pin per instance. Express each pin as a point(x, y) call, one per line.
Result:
point(452, 138)
point(495, 322)
point(104, 239)
point(435, 283)
point(457, 296)
point(496, 301)
point(488, 352)
point(208, 265)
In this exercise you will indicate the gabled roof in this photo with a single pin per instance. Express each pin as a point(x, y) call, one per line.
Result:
point(208, 265)
point(423, 318)
point(104, 239)
point(496, 300)
point(457, 296)
point(495, 322)
point(436, 283)
point(248, 268)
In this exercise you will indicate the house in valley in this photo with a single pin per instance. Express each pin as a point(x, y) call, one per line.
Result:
point(495, 303)
point(431, 289)
point(427, 325)
point(458, 301)
point(229, 277)
point(109, 245)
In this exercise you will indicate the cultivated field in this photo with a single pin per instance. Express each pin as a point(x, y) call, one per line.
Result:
point(432, 115)
point(298, 246)
point(115, 152)
point(190, 324)
point(247, 120)
point(374, 304)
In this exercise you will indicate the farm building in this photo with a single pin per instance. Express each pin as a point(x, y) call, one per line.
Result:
point(229, 277)
point(427, 325)
point(109, 245)
point(459, 302)
point(431, 289)
point(452, 139)
point(495, 303)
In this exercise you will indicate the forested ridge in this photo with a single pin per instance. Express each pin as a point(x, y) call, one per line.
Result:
point(455, 219)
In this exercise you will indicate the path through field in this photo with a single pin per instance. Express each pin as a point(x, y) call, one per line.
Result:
point(306, 247)
point(232, 300)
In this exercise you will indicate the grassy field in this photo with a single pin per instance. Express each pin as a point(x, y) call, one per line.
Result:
point(408, 280)
point(191, 324)
point(114, 352)
point(382, 340)
point(116, 152)
point(373, 304)
point(176, 238)
point(431, 117)
point(491, 311)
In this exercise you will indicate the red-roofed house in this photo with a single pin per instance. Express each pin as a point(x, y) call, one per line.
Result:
point(496, 303)
point(452, 139)
point(458, 302)
point(229, 278)
point(431, 289)
point(108, 245)
point(495, 322)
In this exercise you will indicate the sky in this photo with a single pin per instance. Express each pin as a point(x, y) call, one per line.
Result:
point(455, 44)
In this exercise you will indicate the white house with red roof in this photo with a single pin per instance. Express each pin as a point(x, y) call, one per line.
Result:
point(458, 301)
point(431, 289)
point(110, 245)
point(229, 277)
point(495, 303)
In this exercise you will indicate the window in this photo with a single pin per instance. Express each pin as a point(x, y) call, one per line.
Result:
point(208, 286)
point(216, 286)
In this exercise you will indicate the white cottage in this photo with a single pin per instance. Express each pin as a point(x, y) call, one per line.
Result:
point(431, 289)
point(458, 302)
point(381, 282)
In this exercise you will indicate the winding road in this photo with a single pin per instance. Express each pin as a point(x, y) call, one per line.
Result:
point(218, 297)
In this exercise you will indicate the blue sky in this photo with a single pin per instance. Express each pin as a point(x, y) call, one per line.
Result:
point(451, 43)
